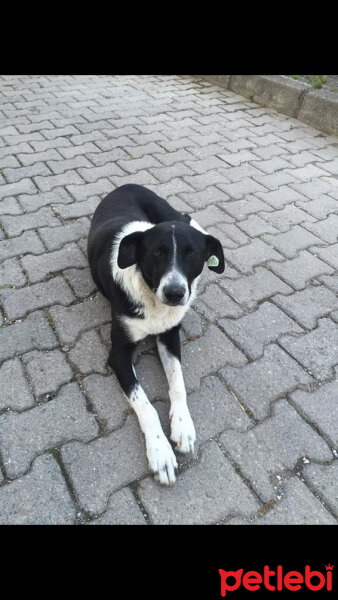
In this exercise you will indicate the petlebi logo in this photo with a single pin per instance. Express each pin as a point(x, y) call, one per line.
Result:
point(277, 580)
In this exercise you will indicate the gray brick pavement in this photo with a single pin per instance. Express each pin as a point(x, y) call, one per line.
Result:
point(260, 347)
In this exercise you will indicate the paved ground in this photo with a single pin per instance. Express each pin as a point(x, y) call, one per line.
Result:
point(260, 347)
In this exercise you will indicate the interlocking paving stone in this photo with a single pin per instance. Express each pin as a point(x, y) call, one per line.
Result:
point(92, 174)
point(316, 350)
point(89, 354)
point(297, 506)
point(254, 226)
point(232, 233)
point(272, 375)
point(327, 229)
point(24, 186)
point(290, 242)
point(329, 254)
point(151, 376)
point(307, 172)
point(249, 290)
point(80, 281)
point(32, 333)
point(308, 305)
point(106, 396)
point(278, 198)
point(56, 237)
point(324, 480)
point(10, 206)
point(14, 175)
point(101, 467)
point(122, 509)
point(78, 209)
point(71, 152)
point(71, 321)
point(320, 207)
point(284, 218)
point(251, 255)
point(244, 186)
point(312, 189)
point(221, 351)
point(26, 242)
point(40, 497)
point(14, 149)
point(189, 503)
point(215, 400)
point(331, 281)
point(29, 159)
point(214, 304)
point(47, 183)
point(47, 370)
point(300, 270)
point(253, 331)
point(209, 216)
point(27, 434)
point(18, 302)
point(32, 202)
point(11, 274)
point(60, 166)
point(240, 209)
point(82, 192)
point(192, 324)
point(274, 446)
point(39, 267)
point(320, 407)
point(14, 389)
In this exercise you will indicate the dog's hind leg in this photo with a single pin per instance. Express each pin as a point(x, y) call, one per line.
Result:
point(182, 426)
point(162, 460)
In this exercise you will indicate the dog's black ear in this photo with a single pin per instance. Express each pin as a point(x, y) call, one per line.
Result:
point(214, 254)
point(129, 249)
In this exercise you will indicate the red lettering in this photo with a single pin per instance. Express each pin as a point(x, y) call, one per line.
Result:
point(225, 587)
point(293, 580)
point(267, 573)
point(308, 576)
point(252, 580)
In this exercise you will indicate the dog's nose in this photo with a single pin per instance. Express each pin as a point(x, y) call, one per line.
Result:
point(174, 293)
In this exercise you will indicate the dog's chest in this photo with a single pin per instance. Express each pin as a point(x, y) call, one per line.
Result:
point(157, 319)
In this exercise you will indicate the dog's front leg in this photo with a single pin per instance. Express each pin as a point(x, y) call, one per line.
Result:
point(182, 426)
point(162, 460)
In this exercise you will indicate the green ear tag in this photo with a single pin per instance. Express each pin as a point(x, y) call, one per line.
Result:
point(213, 261)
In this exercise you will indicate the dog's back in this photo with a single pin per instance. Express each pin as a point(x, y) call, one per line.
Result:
point(127, 203)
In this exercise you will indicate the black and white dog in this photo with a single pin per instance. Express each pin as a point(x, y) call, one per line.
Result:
point(146, 258)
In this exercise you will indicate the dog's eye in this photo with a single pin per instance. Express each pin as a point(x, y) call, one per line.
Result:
point(157, 253)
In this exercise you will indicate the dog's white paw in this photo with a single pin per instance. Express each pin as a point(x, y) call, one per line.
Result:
point(182, 430)
point(162, 460)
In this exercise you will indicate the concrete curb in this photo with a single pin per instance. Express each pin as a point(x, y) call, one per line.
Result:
point(317, 108)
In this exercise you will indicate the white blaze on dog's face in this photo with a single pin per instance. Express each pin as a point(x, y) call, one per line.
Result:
point(173, 288)
point(171, 257)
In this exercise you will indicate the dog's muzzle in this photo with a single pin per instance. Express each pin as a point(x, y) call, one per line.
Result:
point(174, 295)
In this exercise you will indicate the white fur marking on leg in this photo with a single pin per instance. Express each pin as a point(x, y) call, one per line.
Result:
point(162, 460)
point(182, 426)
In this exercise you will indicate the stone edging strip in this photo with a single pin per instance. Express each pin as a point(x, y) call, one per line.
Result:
point(317, 108)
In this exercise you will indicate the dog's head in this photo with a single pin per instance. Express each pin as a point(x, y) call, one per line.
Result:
point(170, 256)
